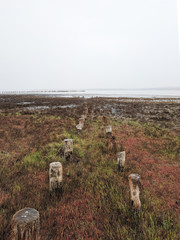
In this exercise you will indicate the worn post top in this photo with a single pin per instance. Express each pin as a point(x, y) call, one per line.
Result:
point(79, 127)
point(135, 178)
point(55, 165)
point(121, 154)
point(68, 140)
point(108, 129)
point(121, 158)
point(26, 215)
point(68, 145)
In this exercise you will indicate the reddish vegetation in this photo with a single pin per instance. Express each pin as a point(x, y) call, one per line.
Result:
point(73, 218)
point(158, 174)
point(94, 204)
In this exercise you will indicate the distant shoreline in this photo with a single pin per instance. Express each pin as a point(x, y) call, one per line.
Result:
point(94, 89)
point(163, 93)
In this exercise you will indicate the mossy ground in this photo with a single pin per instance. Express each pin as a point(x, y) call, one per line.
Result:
point(95, 199)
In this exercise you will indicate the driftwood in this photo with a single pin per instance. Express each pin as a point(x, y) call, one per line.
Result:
point(134, 183)
point(55, 177)
point(121, 158)
point(68, 148)
point(25, 225)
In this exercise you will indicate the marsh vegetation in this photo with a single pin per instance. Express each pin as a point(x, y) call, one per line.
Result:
point(95, 199)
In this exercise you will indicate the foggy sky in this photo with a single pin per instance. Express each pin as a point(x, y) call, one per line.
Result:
point(78, 44)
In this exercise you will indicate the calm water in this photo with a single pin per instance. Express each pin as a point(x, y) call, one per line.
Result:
point(131, 93)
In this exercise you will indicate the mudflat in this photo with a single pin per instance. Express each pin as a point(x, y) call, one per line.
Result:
point(148, 109)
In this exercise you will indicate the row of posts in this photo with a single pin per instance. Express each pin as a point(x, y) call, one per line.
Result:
point(134, 179)
point(26, 223)
point(80, 125)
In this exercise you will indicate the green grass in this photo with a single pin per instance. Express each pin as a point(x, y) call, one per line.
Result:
point(95, 195)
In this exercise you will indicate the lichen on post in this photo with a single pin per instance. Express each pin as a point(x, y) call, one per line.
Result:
point(55, 177)
point(134, 183)
point(68, 148)
point(108, 131)
point(121, 158)
point(25, 225)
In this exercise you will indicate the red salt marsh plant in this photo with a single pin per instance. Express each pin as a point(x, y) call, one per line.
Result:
point(95, 200)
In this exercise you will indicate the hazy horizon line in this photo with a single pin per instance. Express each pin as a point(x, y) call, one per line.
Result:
point(88, 89)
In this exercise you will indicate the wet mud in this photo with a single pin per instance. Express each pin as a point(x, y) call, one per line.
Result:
point(163, 111)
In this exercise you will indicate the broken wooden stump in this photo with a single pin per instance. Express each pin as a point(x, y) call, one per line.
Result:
point(81, 121)
point(108, 131)
point(68, 149)
point(79, 128)
point(134, 183)
point(121, 158)
point(25, 225)
point(55, 177)
point(83, 116)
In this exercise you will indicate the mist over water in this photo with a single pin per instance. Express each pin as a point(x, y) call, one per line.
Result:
point(87, 93)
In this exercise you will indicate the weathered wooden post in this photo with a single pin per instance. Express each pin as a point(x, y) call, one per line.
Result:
point(68, 148)
point(55, 177)
point(134, 183)
point(83, 116)
point(79, 128)
point(121, 158)
point(81, 122)
point(25, 225)
point(108, 131)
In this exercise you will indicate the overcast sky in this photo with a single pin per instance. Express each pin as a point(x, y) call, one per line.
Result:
point(78, 44)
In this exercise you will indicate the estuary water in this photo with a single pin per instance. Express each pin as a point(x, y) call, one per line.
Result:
point(88, 93)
